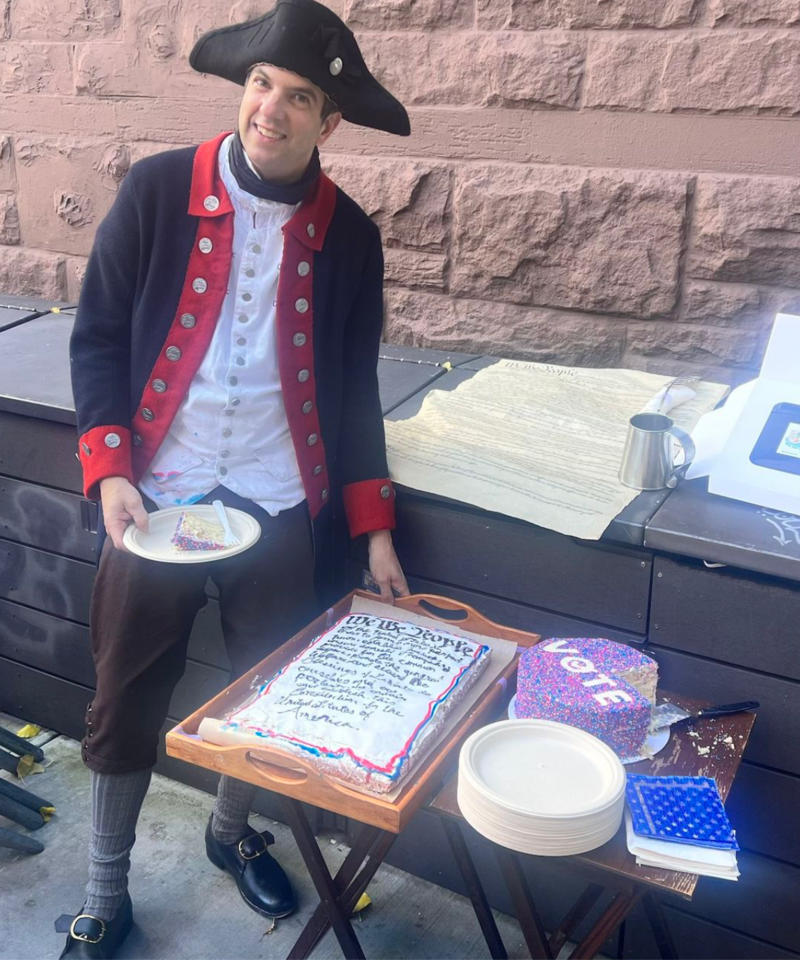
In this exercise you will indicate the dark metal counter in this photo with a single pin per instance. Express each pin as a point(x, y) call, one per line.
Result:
point(34, 368)
point(695, 523)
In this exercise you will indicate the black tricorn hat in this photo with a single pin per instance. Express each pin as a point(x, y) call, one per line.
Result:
point(309, 39)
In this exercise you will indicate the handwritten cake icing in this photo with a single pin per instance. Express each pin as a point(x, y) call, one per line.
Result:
point(195, 533)
point(365, 700)
point(603, 687)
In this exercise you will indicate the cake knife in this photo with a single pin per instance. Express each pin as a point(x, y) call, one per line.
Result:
point(668, 714)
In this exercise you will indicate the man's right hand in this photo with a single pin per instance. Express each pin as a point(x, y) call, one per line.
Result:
point(122, 503)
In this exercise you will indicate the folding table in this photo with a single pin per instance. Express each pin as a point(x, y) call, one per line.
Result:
point(708, 747)
point(379, 820)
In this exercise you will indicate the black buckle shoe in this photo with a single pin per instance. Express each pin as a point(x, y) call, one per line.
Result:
point(260, 878)
point(91, 937)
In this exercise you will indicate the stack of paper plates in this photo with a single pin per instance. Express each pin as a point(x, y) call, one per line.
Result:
point(541, 787)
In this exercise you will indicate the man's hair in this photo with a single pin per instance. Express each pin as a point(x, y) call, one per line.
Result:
point(328, 105)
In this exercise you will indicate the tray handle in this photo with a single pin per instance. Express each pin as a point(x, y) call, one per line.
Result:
point(267, 766)
point(463, 615)
point(278, 768)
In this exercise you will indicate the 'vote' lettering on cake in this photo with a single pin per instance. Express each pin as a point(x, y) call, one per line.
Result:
point(603, 687)
point(578, 664)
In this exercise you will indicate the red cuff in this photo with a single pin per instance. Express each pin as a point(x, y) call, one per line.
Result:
point(369, 505)
point(104, 452)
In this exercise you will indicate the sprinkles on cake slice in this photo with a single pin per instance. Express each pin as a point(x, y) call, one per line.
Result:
point(194, 533)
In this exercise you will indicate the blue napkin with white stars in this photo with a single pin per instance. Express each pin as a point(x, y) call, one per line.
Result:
point(679, 809)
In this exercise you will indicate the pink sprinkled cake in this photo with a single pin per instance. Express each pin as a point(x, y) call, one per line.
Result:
point(603, 687)
point(194, 533)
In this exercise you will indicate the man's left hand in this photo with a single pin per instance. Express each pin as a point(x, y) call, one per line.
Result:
point(385, 567)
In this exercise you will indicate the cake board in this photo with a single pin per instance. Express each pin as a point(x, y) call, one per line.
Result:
point(381, 818)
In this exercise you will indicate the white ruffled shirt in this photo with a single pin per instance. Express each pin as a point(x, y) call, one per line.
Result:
point(231, 428)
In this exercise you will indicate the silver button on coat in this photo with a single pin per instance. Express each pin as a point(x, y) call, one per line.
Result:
point(199, 285)
point(112, 440)
point(205, 245)
point(173, 353)
point(211, 203)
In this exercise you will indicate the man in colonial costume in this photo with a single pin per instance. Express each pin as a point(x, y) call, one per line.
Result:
point(226, 347)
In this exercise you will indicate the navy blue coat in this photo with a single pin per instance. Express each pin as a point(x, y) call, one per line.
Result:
point(149, 305)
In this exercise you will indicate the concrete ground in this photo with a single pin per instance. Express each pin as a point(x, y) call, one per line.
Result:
point(184, 907)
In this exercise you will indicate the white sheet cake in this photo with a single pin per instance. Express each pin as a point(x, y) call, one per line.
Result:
point(365, 700)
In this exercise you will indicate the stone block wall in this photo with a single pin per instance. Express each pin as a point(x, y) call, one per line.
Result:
point(594, 182)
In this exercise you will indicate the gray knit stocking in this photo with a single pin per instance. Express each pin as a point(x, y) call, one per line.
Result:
point(116, 802)
point(234, 799)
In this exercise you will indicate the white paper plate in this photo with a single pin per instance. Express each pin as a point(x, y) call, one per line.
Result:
point(541, 787)
point(655, 742)
point(539, 843)
point(156, 543)
point(519, 834)
point(539, 768)
point(532, 824)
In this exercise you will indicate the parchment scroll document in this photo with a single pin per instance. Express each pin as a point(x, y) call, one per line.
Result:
point(535, 441)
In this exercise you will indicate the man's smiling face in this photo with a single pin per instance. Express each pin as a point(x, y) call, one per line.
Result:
point(280, 122)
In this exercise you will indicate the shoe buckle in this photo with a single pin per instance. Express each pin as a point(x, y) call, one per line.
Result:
point(248, 855)
point(83, 936)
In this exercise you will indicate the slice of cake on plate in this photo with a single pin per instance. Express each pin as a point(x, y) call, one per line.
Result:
point(603, 687)
point(366, 700)
point(197, 533)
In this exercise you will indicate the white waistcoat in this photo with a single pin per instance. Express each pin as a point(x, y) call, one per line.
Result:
point(231, 428)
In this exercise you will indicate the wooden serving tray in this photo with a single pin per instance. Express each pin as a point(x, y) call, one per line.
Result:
point(287, 774)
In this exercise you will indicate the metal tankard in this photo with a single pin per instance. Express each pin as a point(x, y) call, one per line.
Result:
point(648, 460)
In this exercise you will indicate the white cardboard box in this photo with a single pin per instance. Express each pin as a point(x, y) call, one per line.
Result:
point(733, 474)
